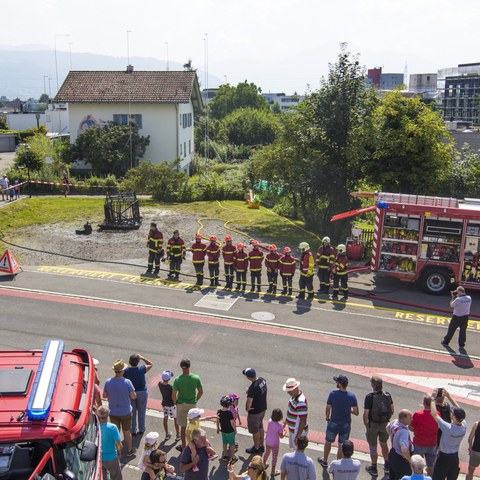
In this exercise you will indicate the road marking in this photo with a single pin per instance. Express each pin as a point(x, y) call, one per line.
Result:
point(463, 388)
point(240, 323)
point(217, 301)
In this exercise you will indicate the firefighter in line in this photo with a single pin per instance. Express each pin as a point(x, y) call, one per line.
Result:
point(340, 276)
point(228, 251)
point(325, 261)
point(176, 252)
point(213, 255)
point(198, 249)
point(307, 263)
point(287, 265)
point(240, 262)
point(255, 260)
point(155, 248)
point(272, 263)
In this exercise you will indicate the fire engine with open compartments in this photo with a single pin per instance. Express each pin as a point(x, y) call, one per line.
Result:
point(48, 428)
point(431, 240)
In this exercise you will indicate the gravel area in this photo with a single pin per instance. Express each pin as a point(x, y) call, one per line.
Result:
point(60, 239)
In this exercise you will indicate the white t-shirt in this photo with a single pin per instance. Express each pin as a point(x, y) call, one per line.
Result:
point(345, 469)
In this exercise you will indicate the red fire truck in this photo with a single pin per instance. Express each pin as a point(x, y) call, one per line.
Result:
point(434, 241)
point(47, 426)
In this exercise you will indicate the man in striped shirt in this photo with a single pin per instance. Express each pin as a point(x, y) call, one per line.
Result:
point(297, 412)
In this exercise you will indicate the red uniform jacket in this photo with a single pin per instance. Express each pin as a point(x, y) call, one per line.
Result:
point(176, 248)
point(198, 251)
point(341, 264)
point(240, 260)
point(325, 256)
point(213, 253)
point(255, 258)
point(272, 261)
point(155, 241)
point(287, 265)
point(228, 251)
point(306, 264)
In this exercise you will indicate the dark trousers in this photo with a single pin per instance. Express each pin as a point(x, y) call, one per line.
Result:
point(399, 466)
point(256, 278)
point(306, 282)
point(462, 324)
point(153, 257)
point(272, 278)
point(287, 281)
point(214, 271)
point(229, 275)
point(199, 272)
point(324, 278)
point(175, 264)
point(446, 466)
point(340, 280)
point(241, 280)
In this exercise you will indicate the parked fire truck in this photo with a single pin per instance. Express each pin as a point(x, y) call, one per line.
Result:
point(47, 426)
point(434, 241)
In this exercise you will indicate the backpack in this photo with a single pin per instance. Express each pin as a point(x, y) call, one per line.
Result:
point(381, 410)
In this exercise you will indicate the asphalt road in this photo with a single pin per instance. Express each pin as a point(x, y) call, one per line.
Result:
point(111, 311)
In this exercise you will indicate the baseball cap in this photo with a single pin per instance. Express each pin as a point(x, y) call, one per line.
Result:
point(459, 413)
point(341, 379)
point(250, 372)
point(195, 413)
point(167, 375)
point(151, 437)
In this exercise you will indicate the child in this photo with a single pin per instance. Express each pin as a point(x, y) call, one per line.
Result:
point(234, 409)
point(158, 466)
point(11, 191)
point(194, 417)
point(16, 188)
point(272, 439)
point(226, 425)
point(169, 408)
point(151, 440)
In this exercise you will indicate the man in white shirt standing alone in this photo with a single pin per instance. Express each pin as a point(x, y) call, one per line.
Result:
point(461, 304)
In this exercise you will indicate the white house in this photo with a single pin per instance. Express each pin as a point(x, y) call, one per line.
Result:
point(162, 104)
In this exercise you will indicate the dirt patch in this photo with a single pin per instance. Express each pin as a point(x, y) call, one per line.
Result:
point(57, 243)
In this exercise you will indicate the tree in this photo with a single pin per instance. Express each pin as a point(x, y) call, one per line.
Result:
point(248, 126)
point(411, 152)
point(229, 98)
point(463, 179)
point(3, 123)
point(44, 98)
point(27, 158)
point(111, 148)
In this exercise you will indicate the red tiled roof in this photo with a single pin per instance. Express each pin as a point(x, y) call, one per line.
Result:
point(135, 87)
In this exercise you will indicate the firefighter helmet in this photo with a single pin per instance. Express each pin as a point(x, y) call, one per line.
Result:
point(255, 243)
point(272, 247)
point(241, 245)
point(342, 248)
point(326, 240)
point(228, 238)
point(198, 236)
point(304, 246)
point(213, 238)
point(287, 250)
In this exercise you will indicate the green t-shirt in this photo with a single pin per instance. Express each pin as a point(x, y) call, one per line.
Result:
point(186, 387)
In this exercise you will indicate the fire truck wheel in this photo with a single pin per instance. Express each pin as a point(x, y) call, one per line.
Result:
point(435, 281)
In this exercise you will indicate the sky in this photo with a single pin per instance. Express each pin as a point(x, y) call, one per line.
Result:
point(280, 45)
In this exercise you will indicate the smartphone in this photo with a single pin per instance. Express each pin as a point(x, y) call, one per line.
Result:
point(233, 461)
point(439, 392)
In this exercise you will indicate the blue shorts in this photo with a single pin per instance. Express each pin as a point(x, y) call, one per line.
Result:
point(340, 429)
point(429, 453)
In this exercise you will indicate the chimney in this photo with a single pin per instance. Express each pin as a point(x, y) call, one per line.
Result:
point(129, 69)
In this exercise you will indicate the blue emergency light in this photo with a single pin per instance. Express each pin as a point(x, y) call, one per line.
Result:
point(40, 399)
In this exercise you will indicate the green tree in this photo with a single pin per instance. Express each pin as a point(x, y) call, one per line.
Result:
point(463, 179)
point(111, 148)
point(3, 123)
point(27, 158)
point(249, 126)
point(411, 152)
point(229, 98)
point(44, 98)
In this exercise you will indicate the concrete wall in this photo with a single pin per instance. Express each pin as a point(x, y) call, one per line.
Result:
point(24, 121)
point(160, 121)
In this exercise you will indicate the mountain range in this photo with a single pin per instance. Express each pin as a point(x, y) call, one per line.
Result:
point(25, 71)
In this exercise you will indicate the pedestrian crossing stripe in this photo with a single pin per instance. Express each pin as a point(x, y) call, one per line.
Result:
point(8, 264)
point(463, 388)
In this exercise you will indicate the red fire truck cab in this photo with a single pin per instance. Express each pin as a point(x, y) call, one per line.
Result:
point(431, 240)
point(47, 426)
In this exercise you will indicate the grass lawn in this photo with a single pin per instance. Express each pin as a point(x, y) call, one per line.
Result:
point(262, 223)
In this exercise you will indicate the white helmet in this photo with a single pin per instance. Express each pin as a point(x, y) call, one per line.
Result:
point(326, 239)
point(304, 246)
point(341, 248)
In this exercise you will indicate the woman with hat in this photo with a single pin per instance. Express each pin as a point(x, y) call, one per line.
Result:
point(256, 470)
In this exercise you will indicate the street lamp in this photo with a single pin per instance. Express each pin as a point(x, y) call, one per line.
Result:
point(56, 63)
point(168, 65)
point(49, 88)
point(70, 48)
point(44, 85)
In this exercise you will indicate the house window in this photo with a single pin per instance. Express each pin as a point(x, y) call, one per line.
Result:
point(122, 119)
point(180, 149)
point(184, 149)
point(189, 119)
point(189, 146)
